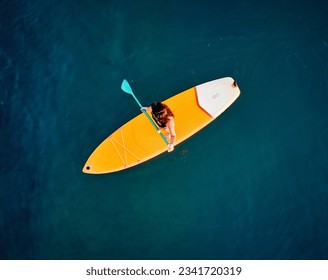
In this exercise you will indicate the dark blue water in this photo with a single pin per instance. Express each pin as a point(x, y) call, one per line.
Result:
point(252, 185)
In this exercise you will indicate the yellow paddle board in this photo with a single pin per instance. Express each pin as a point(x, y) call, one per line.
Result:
point(138, 141)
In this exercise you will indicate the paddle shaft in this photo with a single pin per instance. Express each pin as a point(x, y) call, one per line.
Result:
point(150, 119)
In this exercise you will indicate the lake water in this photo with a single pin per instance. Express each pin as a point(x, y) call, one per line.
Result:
point(251, 185)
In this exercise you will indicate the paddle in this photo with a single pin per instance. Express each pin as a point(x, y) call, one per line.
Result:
point(126, 88)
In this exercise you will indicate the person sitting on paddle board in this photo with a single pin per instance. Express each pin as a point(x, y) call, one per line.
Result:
point(164, 118)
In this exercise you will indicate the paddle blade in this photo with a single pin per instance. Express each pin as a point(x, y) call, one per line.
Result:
point(126, 87)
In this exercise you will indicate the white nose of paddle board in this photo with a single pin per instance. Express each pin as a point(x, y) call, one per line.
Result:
point(216, 96)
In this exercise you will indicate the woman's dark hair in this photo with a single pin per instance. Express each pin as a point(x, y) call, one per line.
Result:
point(161, 113)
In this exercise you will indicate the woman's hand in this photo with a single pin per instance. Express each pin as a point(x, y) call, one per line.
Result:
point(145, 108)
